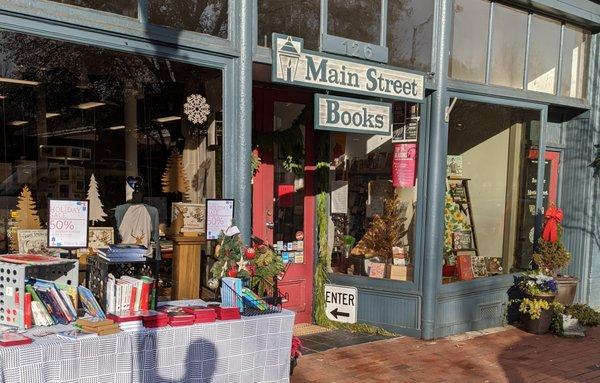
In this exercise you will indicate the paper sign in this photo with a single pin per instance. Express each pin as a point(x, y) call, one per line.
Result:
point(68, 223)
point(404, 165)
point(341, 303)
point(219, 217)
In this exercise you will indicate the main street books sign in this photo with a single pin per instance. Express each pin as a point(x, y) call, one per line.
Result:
point(294, 65)
point(352, 115)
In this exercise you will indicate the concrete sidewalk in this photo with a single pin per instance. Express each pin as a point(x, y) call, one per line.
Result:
point(511, 355)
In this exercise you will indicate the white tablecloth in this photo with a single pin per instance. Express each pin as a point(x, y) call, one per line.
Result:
point(253, 349)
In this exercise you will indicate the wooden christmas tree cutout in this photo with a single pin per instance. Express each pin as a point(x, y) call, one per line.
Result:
point(97, 213)
point(28, 217)
point(174, 179)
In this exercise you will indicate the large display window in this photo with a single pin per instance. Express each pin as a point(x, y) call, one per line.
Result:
point(491, 190)
point(373, 197)
point(77, 121)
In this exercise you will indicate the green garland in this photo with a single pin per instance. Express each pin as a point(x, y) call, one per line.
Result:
point(321, 278)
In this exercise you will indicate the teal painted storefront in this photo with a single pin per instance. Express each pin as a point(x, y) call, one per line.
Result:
point(424, 308)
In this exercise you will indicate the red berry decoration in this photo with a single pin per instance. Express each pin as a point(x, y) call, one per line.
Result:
point(250, 253)
point(232, 272)
point(251, 269)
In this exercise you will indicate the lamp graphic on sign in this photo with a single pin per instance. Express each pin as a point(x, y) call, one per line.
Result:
point(289, 58)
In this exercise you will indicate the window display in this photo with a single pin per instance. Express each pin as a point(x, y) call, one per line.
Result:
point(86, 123)
point(373, 199)
point(491, 190)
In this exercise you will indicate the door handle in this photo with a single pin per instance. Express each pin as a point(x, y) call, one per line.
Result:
point(270, 225)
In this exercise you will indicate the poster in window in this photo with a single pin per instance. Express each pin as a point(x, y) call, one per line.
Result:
point(68, 223)
point(219, 217)
point(404, 165)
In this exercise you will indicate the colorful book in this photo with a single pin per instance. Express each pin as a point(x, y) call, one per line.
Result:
point(89, 303)
point(8, 339)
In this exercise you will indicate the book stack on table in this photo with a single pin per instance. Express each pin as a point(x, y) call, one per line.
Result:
point(227, 313)
point(98, 325)
point(125, 253)
point(8, 339)
point(128, 320)
point(202, 314)
point(154, 319)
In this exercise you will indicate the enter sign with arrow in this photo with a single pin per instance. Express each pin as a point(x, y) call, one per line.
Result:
point(341, 303)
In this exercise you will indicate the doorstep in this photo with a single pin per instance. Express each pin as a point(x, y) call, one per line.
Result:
point(318, 342)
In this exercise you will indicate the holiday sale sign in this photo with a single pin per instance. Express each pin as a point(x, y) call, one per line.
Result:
point(68, 223)
point(404, 165)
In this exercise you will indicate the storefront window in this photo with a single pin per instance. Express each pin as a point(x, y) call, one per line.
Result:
point(509, 37)
point(355, 19)
point(71, 111)
point(491, 190)
point(410, 33)
point(574, 62)
point(122, 7)
point(373, 199)
point(544, 47)
point(299, 18)
point(470, 40)
point(208, 17)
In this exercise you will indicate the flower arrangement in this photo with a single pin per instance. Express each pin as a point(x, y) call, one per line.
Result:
point(551, 255)
point(533, 307)
point(536, 283)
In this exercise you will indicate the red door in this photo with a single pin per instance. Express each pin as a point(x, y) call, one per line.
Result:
point(283, 198)
point(552, 164)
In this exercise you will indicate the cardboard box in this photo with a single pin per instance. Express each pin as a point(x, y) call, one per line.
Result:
point(400, 273)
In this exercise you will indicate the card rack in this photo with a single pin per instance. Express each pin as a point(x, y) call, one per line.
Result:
point(12, 285)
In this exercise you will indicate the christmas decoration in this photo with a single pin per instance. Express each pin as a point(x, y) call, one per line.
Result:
point(196, 109)
point(213, 283)
point(554, 217)
point(27, 213)
point(259, 268)
point(97, 213)
point(174, 179)
point(384, 233)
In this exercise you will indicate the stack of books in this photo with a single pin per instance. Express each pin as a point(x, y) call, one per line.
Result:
point(128, 320)
point(177, 316)
point(253, 300)
point(125, 253)
point(98, 325)
point(8, 339)
point(129, 293)
point(226, 313)
point(154, 319)
point(48, 303)
point(202, 314)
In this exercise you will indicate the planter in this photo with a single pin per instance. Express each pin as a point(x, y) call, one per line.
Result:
point(293, 363)
point(538, 326)
point(567, 287)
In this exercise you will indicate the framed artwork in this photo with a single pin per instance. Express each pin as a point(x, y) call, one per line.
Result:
point(458, 193)
point(35, 242)
point(193, 216)
point(100, 237)
point(461, 240)
point(454, 166)
point(377, 270)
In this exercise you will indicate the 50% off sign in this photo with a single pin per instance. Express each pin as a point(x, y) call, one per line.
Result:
point(68, 223)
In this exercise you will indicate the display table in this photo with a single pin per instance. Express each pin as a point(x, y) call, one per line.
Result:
point(187, 253)
point(253, 349)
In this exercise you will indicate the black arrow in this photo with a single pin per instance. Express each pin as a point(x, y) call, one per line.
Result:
point(335, 313)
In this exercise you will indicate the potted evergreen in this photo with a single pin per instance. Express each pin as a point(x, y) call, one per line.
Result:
point(537, 305)
point(552, 257)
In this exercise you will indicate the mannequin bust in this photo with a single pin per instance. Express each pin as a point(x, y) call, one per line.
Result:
point(137, 222)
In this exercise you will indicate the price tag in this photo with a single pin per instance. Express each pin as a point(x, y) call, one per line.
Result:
point(68, 223)
point(219, 217)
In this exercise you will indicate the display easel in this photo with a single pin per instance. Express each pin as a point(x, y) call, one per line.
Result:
point(467, 209)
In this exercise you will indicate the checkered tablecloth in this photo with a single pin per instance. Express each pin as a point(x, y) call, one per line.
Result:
point(253, 349)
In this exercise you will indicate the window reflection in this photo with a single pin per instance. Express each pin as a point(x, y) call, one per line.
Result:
point(299, 18)
point(470, 40)
point(574, 64)
point(410, 33)
point(355, 19)
point(121, 7)
point(544, 46)
point(509, 36)
point(69, 111)
point(208, 17)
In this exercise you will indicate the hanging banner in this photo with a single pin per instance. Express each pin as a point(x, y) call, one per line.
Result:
point(292, 64)
point(352, 115)
point(68, 224)
point(219, 217)
point(404, 165)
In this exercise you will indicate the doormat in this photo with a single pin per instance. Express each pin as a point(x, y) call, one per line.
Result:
point(302, 329)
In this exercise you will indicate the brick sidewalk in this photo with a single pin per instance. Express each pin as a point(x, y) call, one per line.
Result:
point(506, 356)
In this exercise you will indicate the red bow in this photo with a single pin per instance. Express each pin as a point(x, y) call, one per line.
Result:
point(553, 216)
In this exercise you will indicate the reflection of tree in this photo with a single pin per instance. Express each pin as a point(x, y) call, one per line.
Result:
point(343, 16)
point(204, 16)
point(121, 7)
point(293, 17)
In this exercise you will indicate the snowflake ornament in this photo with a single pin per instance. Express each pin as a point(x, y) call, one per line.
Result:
point(196, 108)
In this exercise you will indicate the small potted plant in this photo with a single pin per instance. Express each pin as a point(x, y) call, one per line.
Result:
point(296, 352)
point(536, 308)
point(552, 257)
